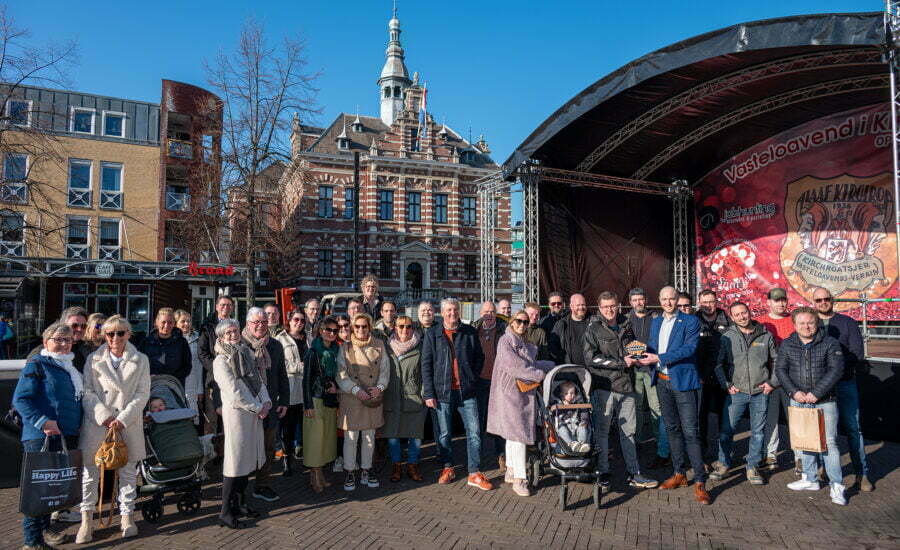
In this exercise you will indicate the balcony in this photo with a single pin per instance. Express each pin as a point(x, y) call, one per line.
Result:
point(80, 197)
point(14, 192)
point(12, 248)
point(111, 200)
point(178, 201)
point(78, 251)
point(173, 254)
point(110, 252)
point(180, 149)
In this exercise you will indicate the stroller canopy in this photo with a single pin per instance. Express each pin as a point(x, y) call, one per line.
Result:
point(562, 373)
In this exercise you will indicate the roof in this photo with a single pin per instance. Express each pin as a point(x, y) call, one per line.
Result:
point(680, 111)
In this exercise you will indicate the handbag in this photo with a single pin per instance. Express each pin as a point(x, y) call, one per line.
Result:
point(51, 480)
point(111, 455)
point(807, 429)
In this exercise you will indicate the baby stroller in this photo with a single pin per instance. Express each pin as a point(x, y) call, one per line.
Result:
point(551, 455)
point(174, 453)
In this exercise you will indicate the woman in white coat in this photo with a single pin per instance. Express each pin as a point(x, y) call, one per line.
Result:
point(116, 389)
point(245, 404)
point(193, 384)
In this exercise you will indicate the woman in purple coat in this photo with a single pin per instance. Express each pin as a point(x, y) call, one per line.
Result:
point(511, 413)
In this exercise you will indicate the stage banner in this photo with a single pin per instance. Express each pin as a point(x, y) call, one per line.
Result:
point(810, 207)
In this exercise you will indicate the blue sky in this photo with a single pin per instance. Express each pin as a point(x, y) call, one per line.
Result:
point(498, 66)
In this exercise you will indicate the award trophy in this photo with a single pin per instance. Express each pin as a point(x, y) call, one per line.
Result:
point(636, 349)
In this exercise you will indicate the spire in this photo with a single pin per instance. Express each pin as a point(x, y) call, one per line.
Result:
point(394, 75)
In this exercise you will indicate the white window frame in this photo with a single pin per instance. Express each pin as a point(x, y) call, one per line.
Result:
point(7, 248)
point(91, 110)
point(15, 185)
point(120, 192)
point(90, 187)
point(114, 113)
point(30, 107)
point(88, 244)
point(100, 246)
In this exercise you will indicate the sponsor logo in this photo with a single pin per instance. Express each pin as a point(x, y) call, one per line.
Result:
point(200, 270)
point(61, 474)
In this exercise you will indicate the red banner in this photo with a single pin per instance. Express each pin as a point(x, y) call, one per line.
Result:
point(810, 207)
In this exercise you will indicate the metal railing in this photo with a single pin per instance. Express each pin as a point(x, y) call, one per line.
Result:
point(174, 254)
point(180, 149)
point(12, 248)
point(111, 200)
point(869, 331)
point(14, 192)
point(78, 251)
point(80, 197)
point(178, 201)
point(110, 252)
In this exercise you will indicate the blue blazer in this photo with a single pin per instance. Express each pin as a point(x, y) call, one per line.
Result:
point(680, 356)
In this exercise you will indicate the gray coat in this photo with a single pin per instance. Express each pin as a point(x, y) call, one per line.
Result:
point(404, 407)
point(746, 366)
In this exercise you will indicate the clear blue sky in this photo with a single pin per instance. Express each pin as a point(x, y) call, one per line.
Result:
point(498, 66)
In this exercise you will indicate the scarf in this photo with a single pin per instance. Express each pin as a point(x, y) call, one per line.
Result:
point(357, 343)
point(64, 360)
point(240, 365)
point(327, 357)
point(401, 348)
point(260, 353)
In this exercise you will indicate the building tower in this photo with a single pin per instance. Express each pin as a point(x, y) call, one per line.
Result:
point(394, 76)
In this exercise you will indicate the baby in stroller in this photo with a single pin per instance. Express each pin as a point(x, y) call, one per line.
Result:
point(573, 426)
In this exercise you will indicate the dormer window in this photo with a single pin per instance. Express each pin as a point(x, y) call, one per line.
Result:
point(467, 156)
point(343, 143)
point(357, 127)
point(387, 91)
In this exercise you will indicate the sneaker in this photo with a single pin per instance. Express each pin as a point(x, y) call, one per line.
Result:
point(53, 536)
point(338, 465)
point(280, 454)
point(837, 494)
point(478, 481)
point(265, 493)
point(753, 477)
point(770, 463)
point(67, 516)
point(368, 478)
point(803, 484)
point(298, 452)
point(584, 447)
point(719, 471)
point(641, 482)
point(520, 487)
point(350, 482)
point(604, 483)
point(447, 475)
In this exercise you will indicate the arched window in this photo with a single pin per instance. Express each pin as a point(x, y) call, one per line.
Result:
point(387, 91)
point(397, 91)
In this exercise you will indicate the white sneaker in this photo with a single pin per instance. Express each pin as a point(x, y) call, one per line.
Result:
point(67, 516)
point(803, 484)
point(338, 464)
point(585, 447)
point(837, 494)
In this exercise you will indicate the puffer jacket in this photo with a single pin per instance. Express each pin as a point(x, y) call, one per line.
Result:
point(816, 368)
point(708, 346)
point(746, 366)
point(170, 355)
point(45, 392)
point(604, 354)
point(437, 361)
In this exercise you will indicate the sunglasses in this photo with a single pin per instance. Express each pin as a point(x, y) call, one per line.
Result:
point(684, 305)
point(343, 325)
point(823, 300)
point(404, 326)
point(98, 326)
point(525, 322)
point(119, 333)
point(298, 320)
point(78, 325)
point(556, 303)
point(360, 327)
point(330, 330)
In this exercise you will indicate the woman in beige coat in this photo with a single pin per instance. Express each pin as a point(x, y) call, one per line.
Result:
point(116, 389)
point(245, 404)
point(363, 373)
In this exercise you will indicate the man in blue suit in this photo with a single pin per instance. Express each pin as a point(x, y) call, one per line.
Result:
point(672, 351)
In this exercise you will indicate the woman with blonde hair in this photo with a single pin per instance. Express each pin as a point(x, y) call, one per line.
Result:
point(93, 335)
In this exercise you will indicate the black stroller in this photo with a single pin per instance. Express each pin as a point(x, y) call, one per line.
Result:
point(551, 455)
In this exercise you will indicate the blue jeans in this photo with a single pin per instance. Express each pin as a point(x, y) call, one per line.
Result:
point(848, 413)
point(681, 414)
point(468, 410)
point(483, 394)
point(412, 449)
point(832, 456)
point(735, 406)
point(33, 527)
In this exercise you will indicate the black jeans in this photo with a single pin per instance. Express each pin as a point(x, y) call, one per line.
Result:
point(712, 401)
point(483, 394)
point(292, 418)
point(680, 410)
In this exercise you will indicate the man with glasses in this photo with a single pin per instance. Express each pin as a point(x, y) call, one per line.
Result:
point(311, 309)
point(567, 338)
point(612, 388)
point(205, 351)
point(354, 306)
point(452, 360)
point(425, 318)
point(371, 301)
point(684, 303)
point(490, 329)
point(557, 305)
point(778, 322)
point(846, 331)
point(273, 316)
point(713, 323)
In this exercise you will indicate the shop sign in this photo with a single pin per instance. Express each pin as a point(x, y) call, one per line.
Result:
point(104, 270)
point(200, 270)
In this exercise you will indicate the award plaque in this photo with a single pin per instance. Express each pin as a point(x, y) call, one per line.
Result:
point(636, 349)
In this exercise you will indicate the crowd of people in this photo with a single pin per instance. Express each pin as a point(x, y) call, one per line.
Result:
point(289, 389)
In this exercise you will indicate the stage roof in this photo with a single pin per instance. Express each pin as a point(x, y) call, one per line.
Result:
point(679, 112)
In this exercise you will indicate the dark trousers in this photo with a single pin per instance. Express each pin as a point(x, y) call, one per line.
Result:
point(289, 427)
point(33, 527)
point(264, 474)
point(232, 490)
point(483, 394)
point(712, 401)
point(680, 410)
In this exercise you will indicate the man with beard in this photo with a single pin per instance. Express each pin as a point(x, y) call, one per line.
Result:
point(567, 338)
point(490, 329)
point(557, 307)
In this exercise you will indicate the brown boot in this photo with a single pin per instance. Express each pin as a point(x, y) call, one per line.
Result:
point(501, 463)
point(412, 470)
point(674, 482)
point(700, 493)
point(323, 481)
point(396, 472)
point(314, 480)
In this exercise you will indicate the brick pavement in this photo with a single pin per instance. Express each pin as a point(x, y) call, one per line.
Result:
point(409, 515)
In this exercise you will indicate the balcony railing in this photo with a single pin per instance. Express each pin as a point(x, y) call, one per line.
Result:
point(78, 251)
point(110, 252)
point(181, 149)
point(178, 201)
point(14, 192)
point(80, 197)
point(12, 248)
point(111, 200)
point(176, 254)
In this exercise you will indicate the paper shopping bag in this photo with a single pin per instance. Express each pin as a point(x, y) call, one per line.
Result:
point(807, 427)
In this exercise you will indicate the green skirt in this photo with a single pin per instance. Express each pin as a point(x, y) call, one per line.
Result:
point(320, 436)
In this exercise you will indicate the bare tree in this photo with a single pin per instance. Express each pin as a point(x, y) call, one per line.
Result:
point(261, 86)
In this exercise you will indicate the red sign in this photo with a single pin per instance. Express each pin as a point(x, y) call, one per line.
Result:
point(199, 270)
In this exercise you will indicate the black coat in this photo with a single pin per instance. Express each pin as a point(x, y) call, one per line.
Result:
point(276, 380)
point(846, 331)
point(566, 344)
point(170, 355)
point(708, 346)
point(604, 354)
point(437, 361)
point(206, 346)
point(815, 369)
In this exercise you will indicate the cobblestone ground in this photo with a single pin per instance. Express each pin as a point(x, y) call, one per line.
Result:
point(410, 515)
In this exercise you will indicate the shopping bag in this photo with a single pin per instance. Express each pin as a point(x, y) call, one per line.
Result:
point(807, 428)
point(50, 481)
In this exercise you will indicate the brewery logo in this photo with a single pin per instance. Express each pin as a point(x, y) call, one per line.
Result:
point(708, 218)
point(104, 270)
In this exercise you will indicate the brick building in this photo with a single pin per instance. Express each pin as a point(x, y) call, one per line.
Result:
point(418, 226)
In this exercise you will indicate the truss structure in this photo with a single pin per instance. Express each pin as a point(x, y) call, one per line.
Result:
point(682, 256)
point(892, 48)
point(530, 217)
point(488, 187)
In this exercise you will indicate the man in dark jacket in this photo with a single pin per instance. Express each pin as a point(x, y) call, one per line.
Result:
point(535, 334)
point(746, 371)
point(165, 347)
point(567, 338)
point(452, 360)
point(810, 363)
point(268, 350)
point(206, 344)
point(75, 318)
point(490, 329)
point(713, 323)
point(371, 301)
point(640, 319)
point(612, 388)
point(557, 305)
point(846, 331)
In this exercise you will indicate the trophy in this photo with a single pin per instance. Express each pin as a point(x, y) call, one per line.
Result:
point(636, 349)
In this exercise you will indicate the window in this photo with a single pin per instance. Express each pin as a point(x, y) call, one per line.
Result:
point(325, 263)
point(414, 139)
point(414, 206)
point(386, 265)
point(107, 299)
point(80, 183)
point(385, 204)
point(18, 112)
point(348, 264)
point(326, 206)
point(138, 311)
point(83, 120)
point(109, 239)
point(440, 208)
point(348, 203)
point(75, 294)
point(468, 211)
point(387, 91)
point(77, 239)
point(178, 198)
point(113, 124)
point(12, 234)
point(470, 267)
point(111, 185)
point(206, 141)
point(15, 172)
point(442, 267)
